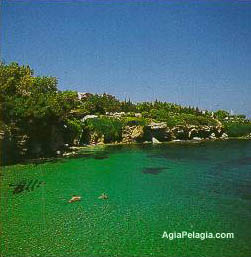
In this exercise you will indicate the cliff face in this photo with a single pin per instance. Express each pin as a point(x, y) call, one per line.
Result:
point(163, 133)
point(38, 120)
point(133, 134)
point(16, 145)
point(12, 145)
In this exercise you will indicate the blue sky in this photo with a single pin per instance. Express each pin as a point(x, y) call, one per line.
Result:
point(190, 52)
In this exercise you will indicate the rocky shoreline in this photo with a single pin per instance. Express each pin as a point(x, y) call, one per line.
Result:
point(41, 121)
point(73, 151)
point(155, 132)
point(20, 148)
point(76, 150)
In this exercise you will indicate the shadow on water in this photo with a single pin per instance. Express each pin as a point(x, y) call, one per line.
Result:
point(236, 189)
point(208, 151)
point(232, 178)
point(101, 157)
point(240, 161)
point(81, 155)
point(153, 171)
point(232, 166)
point(26, 185)
point(244, 191)
point(180, 153)
point(96, 156)
point(44, 160)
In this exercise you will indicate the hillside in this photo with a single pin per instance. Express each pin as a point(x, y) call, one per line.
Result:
point(38, 120)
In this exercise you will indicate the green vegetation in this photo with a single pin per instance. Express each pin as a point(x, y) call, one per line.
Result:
point(96, 104)
point(134, 121)
point(236, 129)
point(74, 130)
point(110, 128)
point(235, 125)
point(33, 111)
point(39, 118)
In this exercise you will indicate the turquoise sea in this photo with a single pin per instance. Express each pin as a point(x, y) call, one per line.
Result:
point(200, 187)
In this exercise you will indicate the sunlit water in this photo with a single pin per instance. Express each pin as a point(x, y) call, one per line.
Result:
point(152, 189)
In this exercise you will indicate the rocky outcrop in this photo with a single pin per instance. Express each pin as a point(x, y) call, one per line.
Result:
point(163, 133)
point(52, 140)
point(17, 145)
point(155, 141)
point(212, 136)
point(123, 114)
point(197, 138)
point(248, 136)
point(89, 117)
point(157, 132)
point(96, 139)
point(224, 136)
point(160, 131)
point(22, 144)
point(133, 134)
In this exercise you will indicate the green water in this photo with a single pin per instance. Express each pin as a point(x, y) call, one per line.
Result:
point(152, 189)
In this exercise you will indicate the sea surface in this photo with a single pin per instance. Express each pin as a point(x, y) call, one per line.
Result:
point(200, 187)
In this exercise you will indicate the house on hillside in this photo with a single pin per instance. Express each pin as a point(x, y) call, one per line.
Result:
point(82, 95)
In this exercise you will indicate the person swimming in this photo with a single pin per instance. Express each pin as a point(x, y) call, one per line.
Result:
point(74, 198)
point(103, 196)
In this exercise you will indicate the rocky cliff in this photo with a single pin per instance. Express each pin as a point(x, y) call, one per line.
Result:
point(163, 133)
point(16, 145)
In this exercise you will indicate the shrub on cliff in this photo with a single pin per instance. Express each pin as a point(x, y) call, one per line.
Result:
point(109, 127)
point(73, 130)
point(134, 121)
point(235, 129)
point(197, 120)
point(174, 119)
